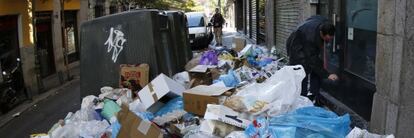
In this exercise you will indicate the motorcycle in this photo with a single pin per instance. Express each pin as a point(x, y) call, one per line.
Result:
point(10, 88)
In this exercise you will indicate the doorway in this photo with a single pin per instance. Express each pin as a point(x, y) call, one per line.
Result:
point(352, 53)
point(71, 30)
point(45, 43)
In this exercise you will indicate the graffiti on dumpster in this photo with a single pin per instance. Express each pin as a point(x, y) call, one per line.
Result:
point(115, 43)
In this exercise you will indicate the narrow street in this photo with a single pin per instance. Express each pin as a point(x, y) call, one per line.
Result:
point(153, 68)
point(40, 118)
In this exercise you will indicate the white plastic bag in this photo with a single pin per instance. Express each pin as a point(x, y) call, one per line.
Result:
point(88, 102)
point(183, 78)
point(277, 108)
point(237, 134)
point(359, 133)
point(86, 129)
point(283, 87)
point(137, 106)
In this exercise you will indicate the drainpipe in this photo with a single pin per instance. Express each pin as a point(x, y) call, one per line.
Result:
point(64, 38)
point(40, 86)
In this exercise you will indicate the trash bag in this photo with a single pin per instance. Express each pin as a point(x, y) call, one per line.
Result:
point(209, 58)
point(300, 102)
point(116, 126)
point(174, 104)
point(183, 78)
point(86, 129)
point(284, 86)
point(173, 110)
point(87, 114)
point(109, 109)
point(136, 106)
point(88, 101)
point(139, 109)
point(237, 134)
point(230, 79)
point(302, 123)
point(359, 133)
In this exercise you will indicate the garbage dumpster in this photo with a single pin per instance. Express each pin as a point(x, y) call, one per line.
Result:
point(179, 38)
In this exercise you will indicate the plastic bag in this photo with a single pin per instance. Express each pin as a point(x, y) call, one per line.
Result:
point(236, 134)
point(109, 109)
point(209, 58)
point(183, 78)
point(284, 86)
point(359, 133)
point(87, 114)
point(230, 79)
point(93, 129)
point(86, 129)
point(173, 104)
point(136, 106)
point(88, 101)
point(277, 108)
point(217, 128)
point(301, 123)
point(139, 109)
point(126, 97)
point(173, 110)
point(116, 126)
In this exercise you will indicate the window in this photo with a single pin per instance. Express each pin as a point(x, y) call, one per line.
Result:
point(195, 21)
point(361, 47)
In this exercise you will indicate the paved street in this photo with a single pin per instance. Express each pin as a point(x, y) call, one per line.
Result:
point(40, 118)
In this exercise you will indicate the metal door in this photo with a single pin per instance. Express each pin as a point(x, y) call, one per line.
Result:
point(352, 53)
point(45, 44)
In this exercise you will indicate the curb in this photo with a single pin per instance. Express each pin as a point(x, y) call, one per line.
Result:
point(6, 118)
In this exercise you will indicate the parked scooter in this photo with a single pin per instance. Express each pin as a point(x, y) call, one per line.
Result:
point(9, 88)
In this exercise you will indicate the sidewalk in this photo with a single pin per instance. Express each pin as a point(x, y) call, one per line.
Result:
point(228, 35)
point(53, 88)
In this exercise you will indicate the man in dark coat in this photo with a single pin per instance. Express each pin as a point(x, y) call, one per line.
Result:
point(305, 47)
point(217, 20)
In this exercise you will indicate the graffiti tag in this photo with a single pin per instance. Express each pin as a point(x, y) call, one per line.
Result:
point(115, 43)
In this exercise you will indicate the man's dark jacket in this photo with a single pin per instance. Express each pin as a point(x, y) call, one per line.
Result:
point(304, 46)
point(217, 20)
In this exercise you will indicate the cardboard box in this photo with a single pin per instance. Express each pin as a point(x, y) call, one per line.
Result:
point(133, 126)
point(200, 75)
point(224, 114)
point(197, 98)
point(240, 43)
point(161, 86)
point(134, 77)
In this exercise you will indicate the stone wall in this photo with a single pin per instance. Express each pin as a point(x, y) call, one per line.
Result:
point(393, 106)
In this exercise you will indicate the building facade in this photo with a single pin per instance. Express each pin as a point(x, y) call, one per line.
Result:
point(371, 52)
point(43, 36)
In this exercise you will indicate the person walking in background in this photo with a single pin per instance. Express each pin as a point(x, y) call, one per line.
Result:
point(217, 20)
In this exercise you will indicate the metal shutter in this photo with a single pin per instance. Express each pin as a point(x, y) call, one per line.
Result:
point(287, 19)
point(254, 20)
point(248, 17)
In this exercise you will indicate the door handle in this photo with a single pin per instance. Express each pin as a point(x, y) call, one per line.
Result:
point(334, 46)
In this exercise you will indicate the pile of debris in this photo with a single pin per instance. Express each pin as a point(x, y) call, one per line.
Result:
point(234, 93)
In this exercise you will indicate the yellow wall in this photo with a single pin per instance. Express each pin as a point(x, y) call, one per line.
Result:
point(22, 8)
point(19, 7)
point(47, 5)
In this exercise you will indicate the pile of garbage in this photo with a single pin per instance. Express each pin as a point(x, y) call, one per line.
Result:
point(223, 93)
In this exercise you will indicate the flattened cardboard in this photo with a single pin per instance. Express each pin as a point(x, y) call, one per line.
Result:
point(133, 76)
point(226, 115)
point(158, 88)
point(133, 126)
point(240, 43)
point(197, 98)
